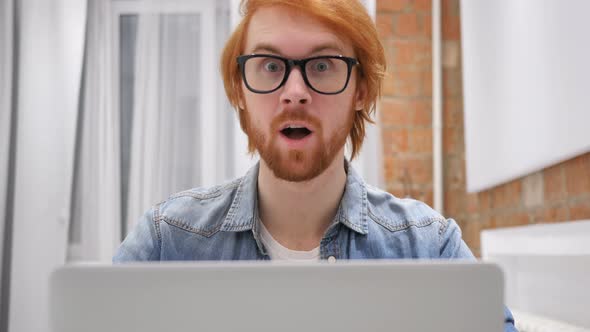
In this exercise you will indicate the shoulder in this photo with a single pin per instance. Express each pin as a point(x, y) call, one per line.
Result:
point(425, 232)
point(199, 210)
point(397, 214)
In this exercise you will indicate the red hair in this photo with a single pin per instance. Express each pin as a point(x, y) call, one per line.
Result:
point(347, 18)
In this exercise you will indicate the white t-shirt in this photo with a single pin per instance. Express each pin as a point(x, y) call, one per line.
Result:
point(276, 251)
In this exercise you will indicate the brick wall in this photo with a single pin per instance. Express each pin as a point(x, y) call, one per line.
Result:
point(558, 193)
point(406, 107)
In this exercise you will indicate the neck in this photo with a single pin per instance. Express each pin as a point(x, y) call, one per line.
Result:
point(297, 214)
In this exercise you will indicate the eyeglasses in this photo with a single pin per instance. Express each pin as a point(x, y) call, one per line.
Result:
point(265, 73)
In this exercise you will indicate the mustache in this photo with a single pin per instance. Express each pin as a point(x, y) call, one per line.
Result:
point(295, 115)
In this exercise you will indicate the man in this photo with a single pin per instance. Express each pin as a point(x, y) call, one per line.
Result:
point(304, 75)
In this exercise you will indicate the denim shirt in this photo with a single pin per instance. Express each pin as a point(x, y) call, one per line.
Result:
point(222, 223)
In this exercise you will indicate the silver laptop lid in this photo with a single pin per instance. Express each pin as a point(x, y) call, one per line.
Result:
point(267, 296)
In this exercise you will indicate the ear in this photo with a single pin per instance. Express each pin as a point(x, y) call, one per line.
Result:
point(241, 102)
point(360, 95)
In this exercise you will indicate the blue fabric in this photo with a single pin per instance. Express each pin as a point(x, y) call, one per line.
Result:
point(221, 223)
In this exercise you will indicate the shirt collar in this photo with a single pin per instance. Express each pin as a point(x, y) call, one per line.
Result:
point(244, 207)
point(352, 212)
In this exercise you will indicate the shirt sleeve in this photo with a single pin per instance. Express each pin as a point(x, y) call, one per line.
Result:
point(143, 243)
point(452, 246)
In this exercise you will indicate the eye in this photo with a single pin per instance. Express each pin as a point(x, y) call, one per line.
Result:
point(321, 66)
point(272, 66)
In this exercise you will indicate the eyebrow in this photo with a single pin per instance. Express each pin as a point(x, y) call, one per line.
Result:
point(271, 49)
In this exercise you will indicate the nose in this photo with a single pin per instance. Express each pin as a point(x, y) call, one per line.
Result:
point(295, 91)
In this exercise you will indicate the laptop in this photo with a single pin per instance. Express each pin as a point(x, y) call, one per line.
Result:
point(242, 296)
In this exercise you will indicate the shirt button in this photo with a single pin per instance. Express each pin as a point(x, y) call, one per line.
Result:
point(331, 259)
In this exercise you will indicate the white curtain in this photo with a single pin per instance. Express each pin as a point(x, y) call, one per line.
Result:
point(154, 118)
point(50, 53)
point(165, 149)
point(6, 49)
point(96, 216)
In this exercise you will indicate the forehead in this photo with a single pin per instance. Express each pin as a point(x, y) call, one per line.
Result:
point(293, 34)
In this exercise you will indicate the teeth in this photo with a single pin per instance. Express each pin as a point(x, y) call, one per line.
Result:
point(294, 127)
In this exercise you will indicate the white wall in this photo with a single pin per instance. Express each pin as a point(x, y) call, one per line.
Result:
point(554, 258)
point(49, 75)
point(526, 72)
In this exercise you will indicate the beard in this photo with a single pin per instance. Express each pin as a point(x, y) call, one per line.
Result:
point(297, 165)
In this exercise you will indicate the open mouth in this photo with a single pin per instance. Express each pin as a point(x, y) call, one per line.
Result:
point(295, 132)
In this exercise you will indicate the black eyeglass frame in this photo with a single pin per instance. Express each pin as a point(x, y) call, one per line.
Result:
point(289, 64)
